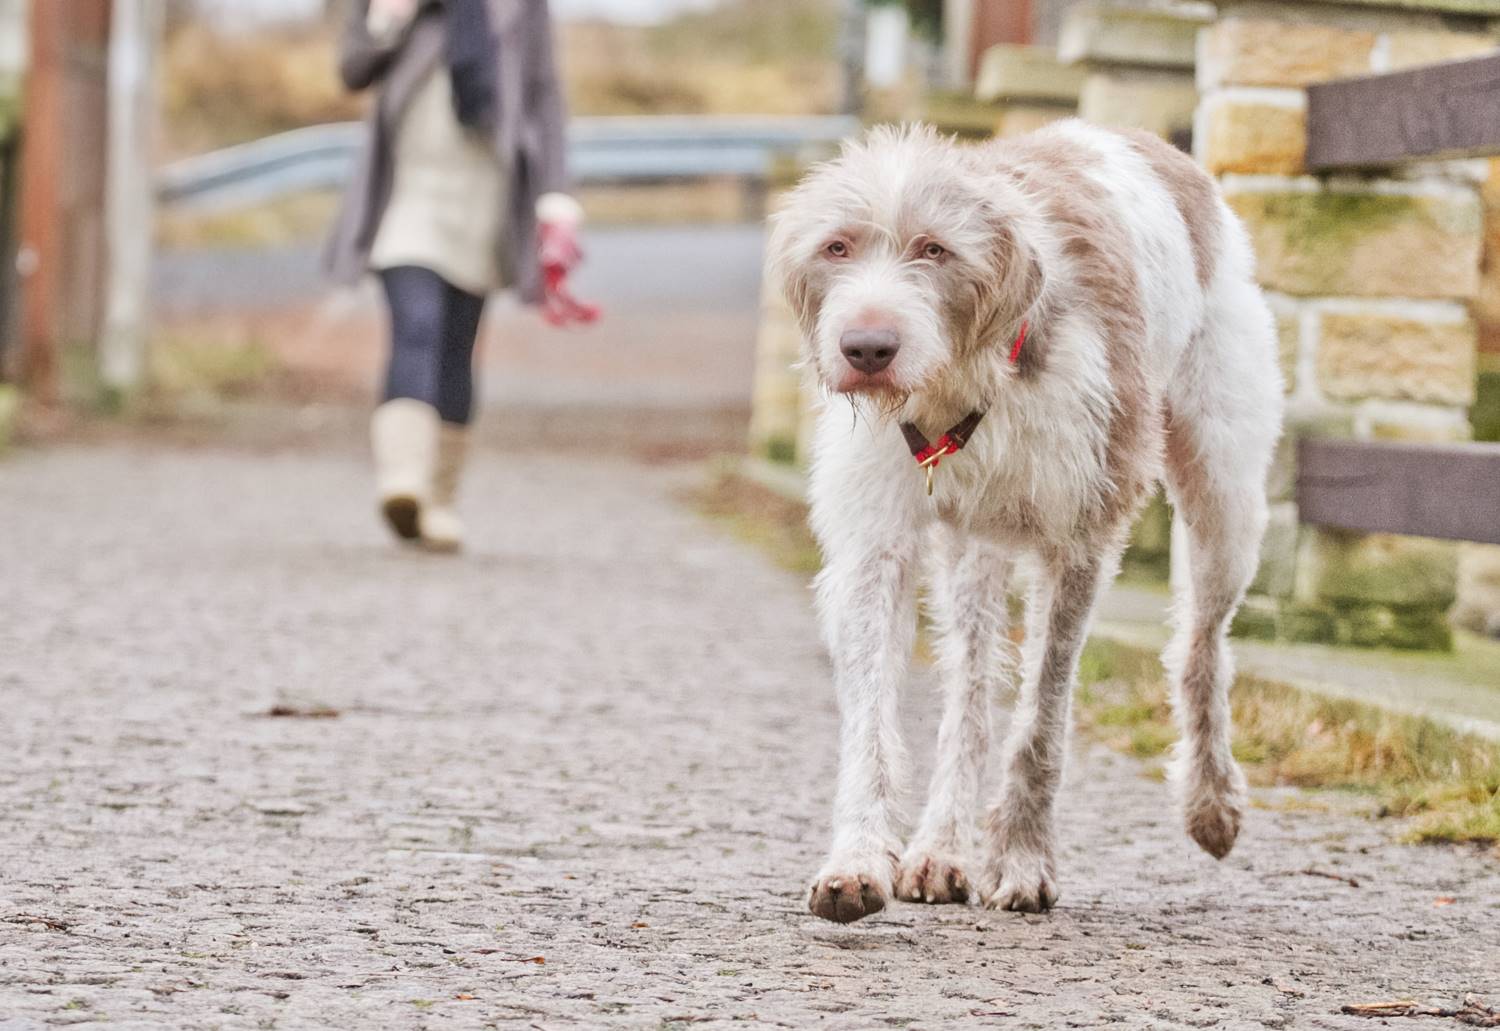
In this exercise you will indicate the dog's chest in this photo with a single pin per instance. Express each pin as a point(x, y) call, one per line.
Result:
point(1013, 501)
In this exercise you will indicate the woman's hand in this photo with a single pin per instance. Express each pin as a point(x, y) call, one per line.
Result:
point(559, 217)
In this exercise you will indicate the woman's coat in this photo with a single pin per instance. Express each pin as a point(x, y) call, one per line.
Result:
point(530, 136)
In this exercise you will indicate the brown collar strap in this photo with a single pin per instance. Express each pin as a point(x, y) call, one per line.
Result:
point(930, 453)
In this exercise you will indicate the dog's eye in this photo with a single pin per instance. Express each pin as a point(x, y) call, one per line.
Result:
point(837, 249)
point(934, 251)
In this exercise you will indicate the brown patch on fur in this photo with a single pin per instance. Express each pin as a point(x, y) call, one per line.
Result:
point(1196, 500)
point(983, 303)
point(1103, 278)
point(1193, 192)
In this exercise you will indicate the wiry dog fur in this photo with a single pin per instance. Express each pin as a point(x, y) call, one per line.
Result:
point(1150, 355)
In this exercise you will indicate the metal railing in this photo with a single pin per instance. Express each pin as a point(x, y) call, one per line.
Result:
point(601, 150)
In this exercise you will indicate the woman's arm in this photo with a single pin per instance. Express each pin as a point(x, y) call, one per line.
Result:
point(364, 55)
point(547, 110)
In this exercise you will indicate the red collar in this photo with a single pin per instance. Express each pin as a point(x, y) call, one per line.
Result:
point(930, 454)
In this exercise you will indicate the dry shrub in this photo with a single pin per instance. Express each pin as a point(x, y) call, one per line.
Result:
point(220, 89)
point(750, 57)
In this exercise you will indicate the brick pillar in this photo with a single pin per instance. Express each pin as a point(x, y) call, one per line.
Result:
point(1371, 279)
point(1138, 59)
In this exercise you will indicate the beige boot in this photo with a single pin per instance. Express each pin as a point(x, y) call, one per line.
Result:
point(404, 436)
point(442, 529)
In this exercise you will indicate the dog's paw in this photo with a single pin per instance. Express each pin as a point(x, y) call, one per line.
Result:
point(931, 876)
point(1213, 807)
point(1023, 884)
point(1214, 815)
point(848, 891)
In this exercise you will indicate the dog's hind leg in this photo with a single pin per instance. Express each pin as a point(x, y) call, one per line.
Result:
point(1022, 871)
point(867, 596)
point(1222, 423)
point(967, 601)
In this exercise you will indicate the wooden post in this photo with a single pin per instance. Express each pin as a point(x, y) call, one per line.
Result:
point(129, 197)
point(38, 259)
point(59, 258)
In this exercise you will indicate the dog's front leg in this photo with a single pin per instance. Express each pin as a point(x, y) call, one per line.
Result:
point(967, 601)
point(866, 594)
point(1023, 867)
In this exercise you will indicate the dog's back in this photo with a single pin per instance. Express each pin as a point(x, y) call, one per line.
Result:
point(1142, 226)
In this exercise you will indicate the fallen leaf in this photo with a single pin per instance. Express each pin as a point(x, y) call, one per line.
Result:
point(464, 997)
point(1444, 900)
point(312, 712)
point(640, 923)
point(538, 960)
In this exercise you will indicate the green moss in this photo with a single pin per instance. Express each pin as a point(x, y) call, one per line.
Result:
point(1485, 415)
point(1358, 569)
point(1257, 619)
point(1149, 555)
point(1315, 233)
point(10, 414)
point(1479, 7)
point(780, 449)
point(1309, 623)
point(1418, 628)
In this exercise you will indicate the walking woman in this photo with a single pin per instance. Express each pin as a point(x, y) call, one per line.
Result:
point(464, 157)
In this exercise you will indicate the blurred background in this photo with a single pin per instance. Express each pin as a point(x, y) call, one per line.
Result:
point(213, 136)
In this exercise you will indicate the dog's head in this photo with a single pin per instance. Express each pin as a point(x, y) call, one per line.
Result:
point(902, 263)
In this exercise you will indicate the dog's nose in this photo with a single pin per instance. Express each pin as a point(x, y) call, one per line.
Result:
point(869, 350)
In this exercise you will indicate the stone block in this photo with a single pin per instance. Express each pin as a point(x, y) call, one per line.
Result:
point(1400, 357)
point(1350, 569)
point(1252, 136)
point(1383, 626)
point(1288, 314)
point(1315, 624)
point(1314, 241)
point(1258, 619)
point(1411, 49)
point(1484, 414)
point(1265, 52)
point(1277, 575)
point(10, 414)
point(1010, 72)
point(1153, 36)
point(1150, 552)
point(1281, 478)
point(1480, 8)
point(1020, 119)
point(1159, 102)
point(1478, 607)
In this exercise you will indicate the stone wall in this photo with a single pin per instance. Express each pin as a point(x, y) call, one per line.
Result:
point(1137, 58)
point(1373, 280)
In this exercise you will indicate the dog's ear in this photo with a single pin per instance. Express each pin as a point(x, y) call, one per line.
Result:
point(1016, 279)
point(788, 264)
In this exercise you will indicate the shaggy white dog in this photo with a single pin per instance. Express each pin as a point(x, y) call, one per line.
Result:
point(1076, 310)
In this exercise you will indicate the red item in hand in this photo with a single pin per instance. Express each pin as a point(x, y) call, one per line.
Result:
point(560, 254)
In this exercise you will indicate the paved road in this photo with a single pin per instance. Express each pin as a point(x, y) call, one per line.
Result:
point(577, 780)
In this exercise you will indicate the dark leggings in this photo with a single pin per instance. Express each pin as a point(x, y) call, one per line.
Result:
point(433, 327)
